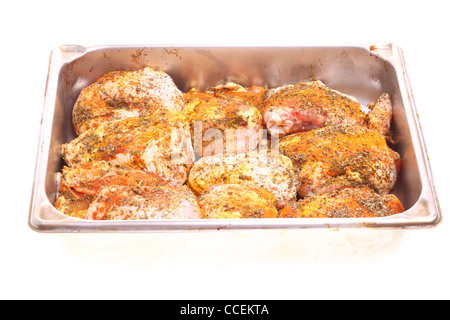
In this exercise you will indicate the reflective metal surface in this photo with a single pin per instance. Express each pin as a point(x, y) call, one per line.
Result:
point(361, 71)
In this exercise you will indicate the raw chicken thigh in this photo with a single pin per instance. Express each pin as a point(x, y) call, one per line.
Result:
point(144, 203)
point(80, 185)
point(305, 106)
point(347, 203)
point(341, 156)
point(159, 143)
point(274, 172)
point(380, 114)
point(237, 201)
point(122, 94)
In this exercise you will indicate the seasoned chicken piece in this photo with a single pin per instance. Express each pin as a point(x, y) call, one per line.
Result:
point(340, 156)
point(274, 172)
point(79, 186)
point(300, 107)
point(225, 118)
point(347, 203)
point(159, 143)
point(236, 201)
point(120, 94)
point(380, 115)
point(253, 94)
point(144, 203)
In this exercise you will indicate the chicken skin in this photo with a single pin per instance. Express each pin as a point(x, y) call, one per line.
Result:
point(341, 156)
point(305, 106)
point(224, 119)
point(237, 201)
point(119, 95)
point(79, 186)
point(159, 143)
point(144, 203)
point(347, 203)
point(274, 172)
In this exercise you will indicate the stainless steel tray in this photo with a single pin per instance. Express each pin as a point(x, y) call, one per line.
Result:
point(362, 71)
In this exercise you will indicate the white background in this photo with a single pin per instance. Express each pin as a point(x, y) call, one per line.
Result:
point(262, 265)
